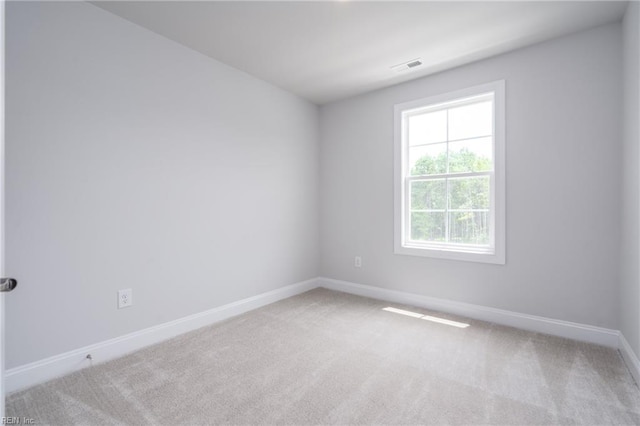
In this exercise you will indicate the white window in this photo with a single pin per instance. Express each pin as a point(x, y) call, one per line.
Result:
point(450, 175)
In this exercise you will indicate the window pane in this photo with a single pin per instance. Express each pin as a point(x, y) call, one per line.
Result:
point(470, 227)
point(472, 155)
point(428, 226)
point(428, 128)
point(429, 195)
point(469, 193)
point(471, 121)
point(428, 159)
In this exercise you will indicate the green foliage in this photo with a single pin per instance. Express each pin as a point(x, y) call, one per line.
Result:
point(459, 161)
point(466, 207)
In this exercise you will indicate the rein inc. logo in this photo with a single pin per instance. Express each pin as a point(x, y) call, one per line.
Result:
point(18, 421)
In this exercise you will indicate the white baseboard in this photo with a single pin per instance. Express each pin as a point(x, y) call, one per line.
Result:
point(41, 371)
point(630, 358)
point(571, 330)
point(68, 362)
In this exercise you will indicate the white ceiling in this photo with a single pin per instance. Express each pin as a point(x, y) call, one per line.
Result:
point(325, 50)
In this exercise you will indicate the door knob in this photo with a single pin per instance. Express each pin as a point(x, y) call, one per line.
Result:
point(8, 284)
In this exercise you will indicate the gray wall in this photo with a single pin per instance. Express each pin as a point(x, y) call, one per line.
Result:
point(132, 161)
point(630, 238)
point(563, 160)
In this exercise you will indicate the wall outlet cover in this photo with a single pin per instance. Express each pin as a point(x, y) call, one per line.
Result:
point(125, 298)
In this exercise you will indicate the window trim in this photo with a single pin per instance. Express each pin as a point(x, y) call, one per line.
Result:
point(498, 180)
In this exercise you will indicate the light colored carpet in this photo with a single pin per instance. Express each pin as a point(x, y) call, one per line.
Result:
point(325, 357)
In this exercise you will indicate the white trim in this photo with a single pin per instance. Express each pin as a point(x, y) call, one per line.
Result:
point(68, 362)
point(3, 388)
point(570, 330)
point(630, 358)
point(41, 371)
point(495, 252)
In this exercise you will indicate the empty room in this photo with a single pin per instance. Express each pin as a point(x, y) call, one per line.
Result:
point(320, 212)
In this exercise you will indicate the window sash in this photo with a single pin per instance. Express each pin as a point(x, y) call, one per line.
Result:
point(489, 247)
point(408, 178)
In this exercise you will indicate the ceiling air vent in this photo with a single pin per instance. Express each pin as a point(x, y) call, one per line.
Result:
point(406, 66)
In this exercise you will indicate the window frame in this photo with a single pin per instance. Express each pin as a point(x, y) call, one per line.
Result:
point(496, 252)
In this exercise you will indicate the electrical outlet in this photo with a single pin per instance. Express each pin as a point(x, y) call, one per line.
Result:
point(357, 262)
point(125, 298)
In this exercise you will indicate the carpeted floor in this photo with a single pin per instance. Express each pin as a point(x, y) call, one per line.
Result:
point(330, 358)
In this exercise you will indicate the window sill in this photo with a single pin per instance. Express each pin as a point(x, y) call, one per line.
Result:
point(452, 254)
